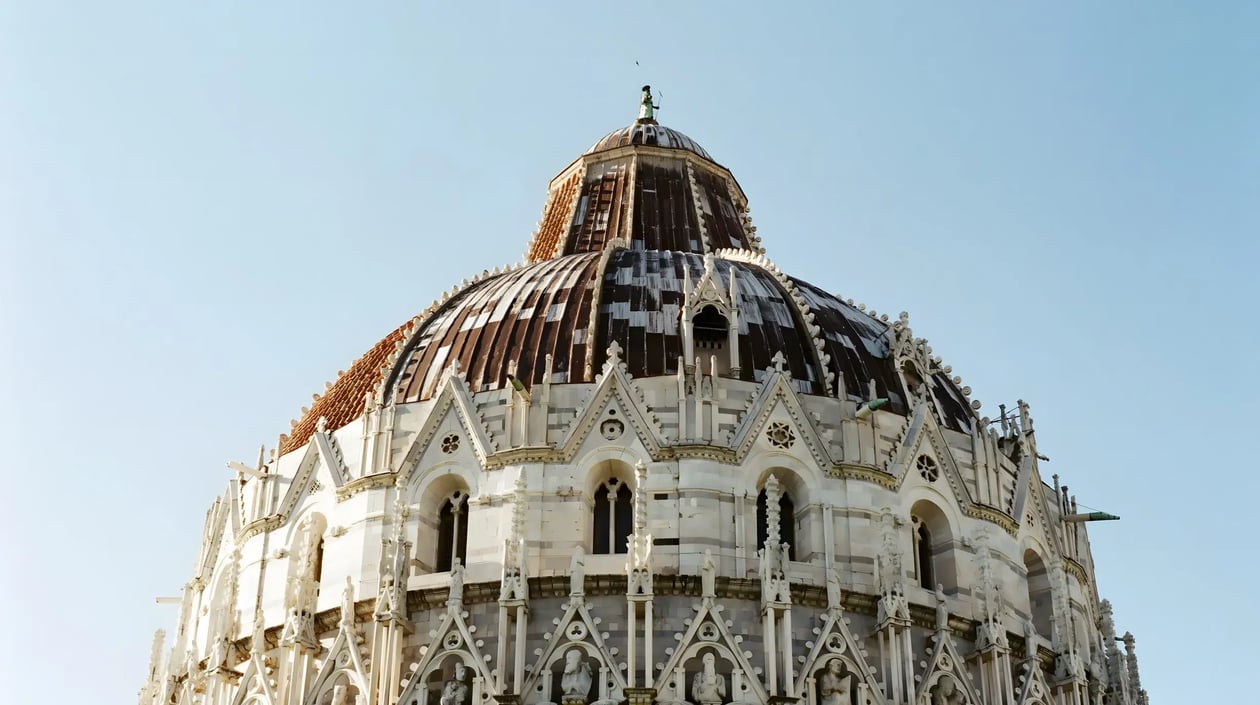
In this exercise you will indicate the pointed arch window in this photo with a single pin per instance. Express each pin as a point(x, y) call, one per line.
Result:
point(614, 517)
point(787, 522)
point(711, 329)
point(452, 531)
point(923, 568)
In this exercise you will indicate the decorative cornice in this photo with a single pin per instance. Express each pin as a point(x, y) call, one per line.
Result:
point(267, 523)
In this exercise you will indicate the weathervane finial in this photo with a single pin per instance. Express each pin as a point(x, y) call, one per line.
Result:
point(647, 111)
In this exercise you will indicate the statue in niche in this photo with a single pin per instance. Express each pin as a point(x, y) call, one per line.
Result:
point(835, 685)
point(708, 575)
point(947, 692)
point(575, 682)
point(577, 572)
point(455, 690)
point(708, 687)
point(341, 696)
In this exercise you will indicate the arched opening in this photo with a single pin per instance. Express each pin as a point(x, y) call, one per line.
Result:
point(1040, 599)
point(787, 522)
point(452, 531)
point(614, 517)
point(711, 328)
point(933, 543)
point(923, 569)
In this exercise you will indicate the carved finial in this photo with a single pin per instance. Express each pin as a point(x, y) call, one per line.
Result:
point(614, 352)
point(778, 361)
point(321, 426)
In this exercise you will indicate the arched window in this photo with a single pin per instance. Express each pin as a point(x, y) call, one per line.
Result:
point(787, 522)
point(933, 543)
point(452, 531)
point(711, 329)
point(923, 553)
point(1040, 604)
point(614, 517)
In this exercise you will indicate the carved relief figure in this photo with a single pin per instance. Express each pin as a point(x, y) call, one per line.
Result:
point(455, 690)
point(947, 692)
point(576, 680)
point(835, 686)
point(708, 687)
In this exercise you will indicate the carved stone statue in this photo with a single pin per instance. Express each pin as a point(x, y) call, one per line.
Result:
point(455, 690)
point(1030, 636)
point(833, 589)
point(835, 686)
point(942, 612)
point(341, 695)
point(708, 575)
point(647, 109)
point(947, 692)
point(575, 682)
point(577, 572)
point(708, 687)
point(455, 600)
point(218, 654)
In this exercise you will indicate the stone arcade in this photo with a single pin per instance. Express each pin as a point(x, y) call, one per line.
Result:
point(646, 466)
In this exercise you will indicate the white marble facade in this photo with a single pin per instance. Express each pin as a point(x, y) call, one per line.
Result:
point(295, 597)
point(718, 533)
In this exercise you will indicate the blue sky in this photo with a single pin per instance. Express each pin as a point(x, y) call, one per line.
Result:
point(207, 209)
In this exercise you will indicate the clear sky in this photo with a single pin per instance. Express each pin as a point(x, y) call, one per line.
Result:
point(207, 209)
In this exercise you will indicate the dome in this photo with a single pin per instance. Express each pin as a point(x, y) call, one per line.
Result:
point(625, 234)
point(646, 425)
point(648, 133)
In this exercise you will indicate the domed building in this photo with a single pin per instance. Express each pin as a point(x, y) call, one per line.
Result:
point(646, 466)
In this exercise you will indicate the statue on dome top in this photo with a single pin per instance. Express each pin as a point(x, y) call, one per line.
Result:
point(647, 110)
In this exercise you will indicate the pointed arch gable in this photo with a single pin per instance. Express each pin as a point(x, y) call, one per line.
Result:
point(451, 640)
point(343, 659)
point(776, 396)
point(454, 398)
point(945, 661)
point(255, 684)
point(836, 641)
point(301, 483)
point(708, 616)
point(588, 637)
point(614, 386)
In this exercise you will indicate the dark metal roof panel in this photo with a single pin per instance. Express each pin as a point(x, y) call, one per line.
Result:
point(650, 134)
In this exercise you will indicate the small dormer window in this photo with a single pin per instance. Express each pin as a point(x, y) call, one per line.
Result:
point(711, 329)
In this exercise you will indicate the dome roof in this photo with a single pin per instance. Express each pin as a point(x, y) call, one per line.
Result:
point(649, 134)
point(624, 237)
